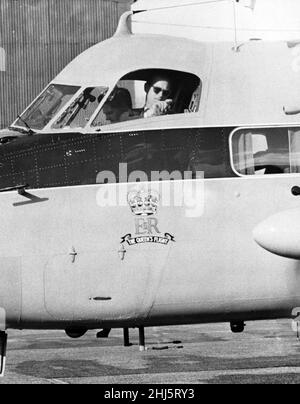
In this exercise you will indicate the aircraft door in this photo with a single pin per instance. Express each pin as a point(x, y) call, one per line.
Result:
point(117, 262)
point(59, 287)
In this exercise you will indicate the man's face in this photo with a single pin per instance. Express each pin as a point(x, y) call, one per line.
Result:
point(159, 91)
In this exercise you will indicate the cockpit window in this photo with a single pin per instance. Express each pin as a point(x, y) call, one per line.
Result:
point(121, 105)
point(266, 151)
point(82, 108)
point(49, 103)
point(150, 93)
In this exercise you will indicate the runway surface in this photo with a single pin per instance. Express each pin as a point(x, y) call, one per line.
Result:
point(267, 352)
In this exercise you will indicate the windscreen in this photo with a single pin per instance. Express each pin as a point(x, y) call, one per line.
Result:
point(78, 114)
point(48, 104)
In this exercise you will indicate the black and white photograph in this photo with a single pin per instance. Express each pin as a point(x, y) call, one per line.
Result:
point(149, 194)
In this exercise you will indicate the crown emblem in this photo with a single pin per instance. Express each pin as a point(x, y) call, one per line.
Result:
point(143, 203)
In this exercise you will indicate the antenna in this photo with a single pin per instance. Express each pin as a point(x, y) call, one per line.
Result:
point(124, 27)
point(236, 47)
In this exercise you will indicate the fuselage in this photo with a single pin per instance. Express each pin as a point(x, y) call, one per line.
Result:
point(65, 258)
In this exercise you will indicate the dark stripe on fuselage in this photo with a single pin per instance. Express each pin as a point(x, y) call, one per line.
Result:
point(70, 159)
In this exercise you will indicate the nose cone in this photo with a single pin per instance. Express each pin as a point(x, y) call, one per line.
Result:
point(280, 234)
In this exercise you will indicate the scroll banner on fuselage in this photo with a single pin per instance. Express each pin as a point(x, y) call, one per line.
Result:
point(148, 239)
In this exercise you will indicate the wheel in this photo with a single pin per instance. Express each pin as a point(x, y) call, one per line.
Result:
point(237, 327)
point(75, 332)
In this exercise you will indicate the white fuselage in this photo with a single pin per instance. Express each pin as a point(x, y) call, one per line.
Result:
point(61, 261)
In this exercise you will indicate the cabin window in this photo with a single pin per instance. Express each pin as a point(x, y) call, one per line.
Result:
point(266, 151)
point(150, 93)
point(47, 105)
point(82, 108)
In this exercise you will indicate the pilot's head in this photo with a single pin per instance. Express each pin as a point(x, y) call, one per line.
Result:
point(157, 89)
point(117, 105)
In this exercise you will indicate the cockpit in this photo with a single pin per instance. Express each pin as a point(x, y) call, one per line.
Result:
point(67, 107)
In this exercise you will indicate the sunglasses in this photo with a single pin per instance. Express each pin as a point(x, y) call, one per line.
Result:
point(158, 90)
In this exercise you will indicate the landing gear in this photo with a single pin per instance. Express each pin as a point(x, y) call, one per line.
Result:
point(296, 321)
point(3, 345)
point(142, 339)
point(237, 327)
point(126, 337)
point(104, 333)
point(76, 332)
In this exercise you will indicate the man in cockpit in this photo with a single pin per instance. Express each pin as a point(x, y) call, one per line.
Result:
point(158, 92)
point(118, 108)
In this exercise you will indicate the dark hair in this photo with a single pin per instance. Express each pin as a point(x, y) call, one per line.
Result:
point(156, 78)
point(159, 77)
point(120, 98)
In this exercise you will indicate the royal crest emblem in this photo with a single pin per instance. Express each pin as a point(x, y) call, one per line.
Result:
point(143, 203)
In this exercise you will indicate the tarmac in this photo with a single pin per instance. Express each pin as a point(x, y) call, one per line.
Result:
point(266, 353)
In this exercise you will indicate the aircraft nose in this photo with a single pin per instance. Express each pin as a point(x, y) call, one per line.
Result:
point(280, 234)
